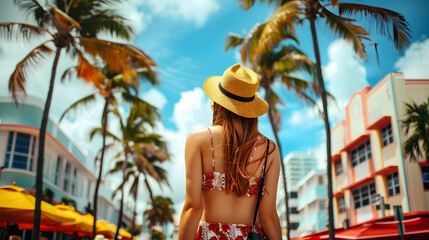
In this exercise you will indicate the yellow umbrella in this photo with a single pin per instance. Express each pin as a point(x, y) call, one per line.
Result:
point(105, 228)
point(80, 223)
point(124, 234)
point(17, 205)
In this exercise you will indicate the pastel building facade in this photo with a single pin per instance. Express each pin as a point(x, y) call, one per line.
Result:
point(367, 158)
point(312, 192)
point(66, 171)
point(297, 166)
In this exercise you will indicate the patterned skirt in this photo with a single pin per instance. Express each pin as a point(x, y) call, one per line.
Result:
point(225, 231)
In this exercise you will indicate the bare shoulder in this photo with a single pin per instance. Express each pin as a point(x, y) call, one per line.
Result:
point(198, 137)
point(274, 153)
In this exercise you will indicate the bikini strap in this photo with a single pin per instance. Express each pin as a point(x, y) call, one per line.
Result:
point(211, 141)
point(261, 186)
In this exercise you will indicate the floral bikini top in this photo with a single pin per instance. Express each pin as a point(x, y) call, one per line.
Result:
point(216, 180)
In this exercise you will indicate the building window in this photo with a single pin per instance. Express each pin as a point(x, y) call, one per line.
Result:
point(341, 205)
point(293, 210)
point(66, 177)
point(361, 153)
point(293, 194)
point(20, 151)
point(393, 184)
point(294, 225)
point(73, 182)
point(338, 167)
point(425, 176)
point(58, 172)
point(362, 195)
point(387, 135)
point(321, 180)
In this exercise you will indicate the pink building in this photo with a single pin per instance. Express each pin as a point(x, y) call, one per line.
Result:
point(367, 159)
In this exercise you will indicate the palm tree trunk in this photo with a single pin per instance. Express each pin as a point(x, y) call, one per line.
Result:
point(121, 206)
point(275, 132)
point(327, 129)
point(100, 172)
point(134, 215)
point(41, 149)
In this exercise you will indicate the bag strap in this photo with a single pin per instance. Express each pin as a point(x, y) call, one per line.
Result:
point(262, 184)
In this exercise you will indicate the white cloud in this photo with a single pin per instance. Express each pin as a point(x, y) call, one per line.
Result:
point(305, 116)
point(415, 62)
point(192, 111)
point(197, 11)
point(131, 10)
point(344, 73)
point(155, 97)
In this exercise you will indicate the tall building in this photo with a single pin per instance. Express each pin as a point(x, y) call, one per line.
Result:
point(66, 172)
point(312, 192)
point(297, 166)
point(368, 164)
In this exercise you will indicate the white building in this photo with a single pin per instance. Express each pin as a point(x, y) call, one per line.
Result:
point(66, 169)
point(312, 192)
point(297, 166)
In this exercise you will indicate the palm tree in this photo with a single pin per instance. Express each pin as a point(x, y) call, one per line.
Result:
point(276, 64)
point(136, 168)
point(290, 12)
point(64, 33)
point(114, 85)
point(134, 141)
point(161, 212)
point(416, 120)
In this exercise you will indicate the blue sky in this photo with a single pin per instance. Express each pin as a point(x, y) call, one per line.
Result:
point(187, 40)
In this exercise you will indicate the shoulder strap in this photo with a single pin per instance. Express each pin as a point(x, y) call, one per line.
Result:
point(211, 141)
point(261, 186)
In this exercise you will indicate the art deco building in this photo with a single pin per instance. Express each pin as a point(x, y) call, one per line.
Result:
point(368, 164)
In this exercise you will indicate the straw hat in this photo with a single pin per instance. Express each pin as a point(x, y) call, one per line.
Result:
point(236, 91)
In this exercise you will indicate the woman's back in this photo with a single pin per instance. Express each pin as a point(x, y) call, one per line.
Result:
point(222, 206)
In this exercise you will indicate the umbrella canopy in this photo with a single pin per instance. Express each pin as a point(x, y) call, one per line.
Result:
point(17, 205)
point(105, 228)
point(80, 223)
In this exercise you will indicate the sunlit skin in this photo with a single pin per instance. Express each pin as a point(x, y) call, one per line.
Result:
point(221, 206)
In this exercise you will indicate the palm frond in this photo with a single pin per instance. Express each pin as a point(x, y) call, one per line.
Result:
point(233, 40)
point(382, 17)
point(119, 58)
point(105, 22)
point(135, 187)
point(149, 75)
point(99, 131)
point(246, 4)
point(81, 102)
point(13, 31)
point(148, 166)
point(19, 77)
point(280, 23)
point(351, 33)
point(64, 20)
point(416, 123)
point(35, 9)
point(68, 73)
point(291, 59)
point(89, 73)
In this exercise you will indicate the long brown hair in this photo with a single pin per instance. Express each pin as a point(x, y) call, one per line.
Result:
point(240, 134)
